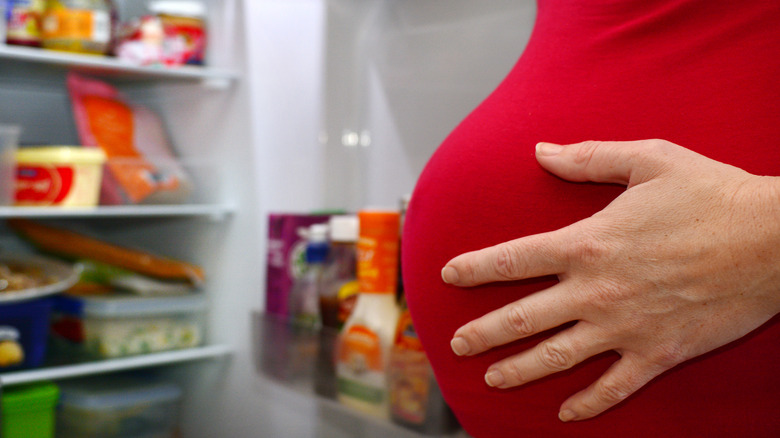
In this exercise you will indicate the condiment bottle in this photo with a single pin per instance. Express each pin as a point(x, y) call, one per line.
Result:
point(416, 401)
point(364, 343)
point(340, 267)
point(338, 274)
point(304, 304)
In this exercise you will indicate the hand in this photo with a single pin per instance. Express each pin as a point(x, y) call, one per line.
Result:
point(687, 259)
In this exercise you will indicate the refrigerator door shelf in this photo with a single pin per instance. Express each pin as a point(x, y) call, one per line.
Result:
point(111, 66)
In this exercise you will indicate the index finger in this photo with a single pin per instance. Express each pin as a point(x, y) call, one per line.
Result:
point(531, 256)
point(527, 316)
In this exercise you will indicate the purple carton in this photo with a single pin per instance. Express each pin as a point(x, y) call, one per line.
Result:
point(286, 256)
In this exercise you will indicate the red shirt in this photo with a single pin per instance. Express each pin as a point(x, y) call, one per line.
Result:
point(704, 74)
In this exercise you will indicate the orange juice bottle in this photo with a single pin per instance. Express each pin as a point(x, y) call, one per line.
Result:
point(365, 341)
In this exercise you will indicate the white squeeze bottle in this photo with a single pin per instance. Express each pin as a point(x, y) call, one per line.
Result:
point(367, 336)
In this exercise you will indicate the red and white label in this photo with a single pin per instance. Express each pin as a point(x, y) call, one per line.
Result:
point(42, 185)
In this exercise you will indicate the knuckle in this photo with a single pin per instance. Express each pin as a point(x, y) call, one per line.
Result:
point(652, 151)
point(507, 262)
point(585, 152)
point(590, 407)
point(668, 355)
point(611, 392)
point(587, 250)
point(555, 356)
point(479, 336)
point(467, 272)
point(514, 372)
point(658, 144)
point(605, 294)
point(518, 320)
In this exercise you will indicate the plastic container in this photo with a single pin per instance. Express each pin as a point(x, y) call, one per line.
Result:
point(125, 325)
point(64, 176)
point(118, 407)
point(28, 411)
point(24, 328)
point(9, 139)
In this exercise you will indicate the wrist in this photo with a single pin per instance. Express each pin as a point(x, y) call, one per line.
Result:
point(772, 216)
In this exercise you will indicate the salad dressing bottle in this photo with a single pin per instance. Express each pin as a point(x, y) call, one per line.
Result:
point(367, 336)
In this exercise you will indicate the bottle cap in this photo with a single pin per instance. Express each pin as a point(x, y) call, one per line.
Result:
point(384, 223)
point(377, 251)
point(317, 233)
point(344, 228)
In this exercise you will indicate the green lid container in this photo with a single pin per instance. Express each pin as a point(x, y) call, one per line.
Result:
point(28, 410)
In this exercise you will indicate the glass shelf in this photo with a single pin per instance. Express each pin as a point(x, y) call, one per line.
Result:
point(211, 211)
point(113, 365)
point(113, 66)
point(202, 193)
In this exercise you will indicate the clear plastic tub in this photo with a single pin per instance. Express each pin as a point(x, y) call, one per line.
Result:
point(120, 406)
point(9, 139)
point(126, 325)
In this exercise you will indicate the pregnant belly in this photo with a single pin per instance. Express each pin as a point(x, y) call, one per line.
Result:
point(481, 190)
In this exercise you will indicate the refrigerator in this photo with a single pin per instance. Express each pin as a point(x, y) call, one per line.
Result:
point(302, 105)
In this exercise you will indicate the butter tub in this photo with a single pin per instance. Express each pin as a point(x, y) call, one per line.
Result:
point(63, 176)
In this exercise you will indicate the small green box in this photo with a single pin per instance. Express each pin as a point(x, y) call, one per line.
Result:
point(28, 410)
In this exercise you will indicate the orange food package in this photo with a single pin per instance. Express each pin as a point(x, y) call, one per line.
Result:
point(134, 142)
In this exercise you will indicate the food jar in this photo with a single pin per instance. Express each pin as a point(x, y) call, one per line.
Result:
point(184, 30)
point(64, 176)
point(81, 26)
point(23, 21)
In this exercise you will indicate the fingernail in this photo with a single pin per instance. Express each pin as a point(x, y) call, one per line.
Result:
point(449, 275)
point(460, 346)
point(567, 415)
point(548, 149)
point(494, 378)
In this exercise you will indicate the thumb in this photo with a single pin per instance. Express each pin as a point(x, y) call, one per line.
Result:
point(620, 162)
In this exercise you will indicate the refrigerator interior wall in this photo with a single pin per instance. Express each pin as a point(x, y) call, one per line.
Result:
point(352, 94)
point(349, 100)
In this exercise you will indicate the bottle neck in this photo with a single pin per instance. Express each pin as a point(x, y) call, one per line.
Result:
point(342, 250)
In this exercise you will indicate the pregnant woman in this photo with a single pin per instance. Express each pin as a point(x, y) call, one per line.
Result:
point(642, 294)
